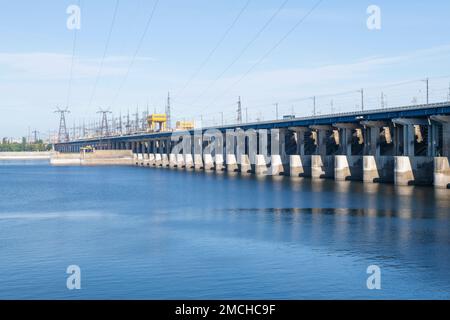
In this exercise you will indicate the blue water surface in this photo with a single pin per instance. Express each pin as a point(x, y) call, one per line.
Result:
point(153, 233)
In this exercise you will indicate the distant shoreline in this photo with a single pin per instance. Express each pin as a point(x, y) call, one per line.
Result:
point(25, 155)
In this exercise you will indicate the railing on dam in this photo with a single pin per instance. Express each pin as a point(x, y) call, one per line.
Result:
point(442, 108)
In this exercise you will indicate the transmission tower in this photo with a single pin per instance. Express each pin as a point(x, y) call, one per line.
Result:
point(113, 125)
point(136, 120)
point(128, 125)
point(74, 131)
point(84, 129)
point(383, 100)
point(104, 129)
point(144, 120)
point(119, 127)
point(35, 134)
point(239, 111)
point(362, 99)
point(169, 125)
point(63, 134)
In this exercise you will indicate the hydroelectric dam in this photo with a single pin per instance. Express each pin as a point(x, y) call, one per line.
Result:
point(406, 146)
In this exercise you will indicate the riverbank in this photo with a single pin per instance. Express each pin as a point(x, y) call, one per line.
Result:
point(33, 155)
point(97, 158)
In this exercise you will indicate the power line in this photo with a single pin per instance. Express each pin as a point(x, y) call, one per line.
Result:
point(108, 38)
point(346, 98)
point(396, 84)
point(246, 47)
point(69, 89)
point(304, 17)
point(211, 53)
point(343, 93)
point(141, 40)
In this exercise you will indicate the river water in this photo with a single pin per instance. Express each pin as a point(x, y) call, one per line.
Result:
point(153, 233)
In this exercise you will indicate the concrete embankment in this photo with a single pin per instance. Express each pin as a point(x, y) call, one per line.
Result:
point(97, 158)
point(44, 155)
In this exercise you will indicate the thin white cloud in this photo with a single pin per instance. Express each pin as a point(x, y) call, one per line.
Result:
point(322, 16)
point(292, 83)
point(56, 66)
point(334, 72)
point(260, 87)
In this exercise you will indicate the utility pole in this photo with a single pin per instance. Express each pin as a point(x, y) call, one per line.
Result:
point(84, 129)
point(128, 125)
point(93, 129)
point(448, 98)
point(120, 124)
point(239, 111)
point(428, 92)
point(144, 121)
point(314, 105)
point(63, 134)
point(78, 130)
point(276, 110)
point(136, 120)
point(169, 124)
point(362, 99)
point(147, 113)
point(74, 131)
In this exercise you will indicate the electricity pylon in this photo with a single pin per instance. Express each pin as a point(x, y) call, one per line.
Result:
point(104, 129)
point(239, 111)
point(168, 119)
point(63, 134)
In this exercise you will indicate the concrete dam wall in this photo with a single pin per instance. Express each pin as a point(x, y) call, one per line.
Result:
point(97, 158)
point(38, 155)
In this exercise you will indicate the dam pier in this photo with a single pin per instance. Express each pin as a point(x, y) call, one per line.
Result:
point(405, 146)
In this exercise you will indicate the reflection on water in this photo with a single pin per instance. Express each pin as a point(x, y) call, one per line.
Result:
point(156, 233)
point(402, 213)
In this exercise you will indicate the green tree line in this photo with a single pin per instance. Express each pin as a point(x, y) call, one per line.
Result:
point(6, 146)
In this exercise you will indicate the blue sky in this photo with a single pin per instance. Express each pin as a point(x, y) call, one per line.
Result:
point(332, 51)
